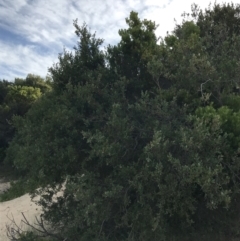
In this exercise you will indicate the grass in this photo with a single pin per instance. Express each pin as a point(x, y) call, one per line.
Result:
point(18, 186)
point(16, 190)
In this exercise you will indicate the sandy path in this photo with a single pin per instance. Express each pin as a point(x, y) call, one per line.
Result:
point(14, 209)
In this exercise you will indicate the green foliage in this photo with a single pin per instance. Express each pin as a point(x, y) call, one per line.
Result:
point(16, 99)
point(232, 101)
point(3, 90)
point(35, 81)
point(31, 236)
point(229, 119)
point(170, 40)
point(51, 119)
point(20, 98)
point(187, 30)
point(77, 69)
point(130, 57)
point(220, 35)
point(224, 15)
point(203, 53)
point(17, 189)
point(145, 136)
point(139, 169)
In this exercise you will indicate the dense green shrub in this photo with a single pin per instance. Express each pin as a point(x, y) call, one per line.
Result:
point(145, 135)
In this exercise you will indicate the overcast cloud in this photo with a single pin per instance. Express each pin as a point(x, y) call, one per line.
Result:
point(34, 32)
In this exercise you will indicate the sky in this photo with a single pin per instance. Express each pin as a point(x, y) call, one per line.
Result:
point(34, 32)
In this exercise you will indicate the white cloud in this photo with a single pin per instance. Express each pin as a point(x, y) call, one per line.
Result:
point(47, 25)
point(23, 60)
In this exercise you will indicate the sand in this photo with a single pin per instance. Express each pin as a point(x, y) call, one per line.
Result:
point(12, 211)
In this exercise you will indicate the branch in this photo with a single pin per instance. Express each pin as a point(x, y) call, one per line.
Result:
point(11, 231)
point(202, 86)
point(15, 232)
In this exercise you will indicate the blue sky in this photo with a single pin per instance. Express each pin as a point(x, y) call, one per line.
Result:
point(34, 32)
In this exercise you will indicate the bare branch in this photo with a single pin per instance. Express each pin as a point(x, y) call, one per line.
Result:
point(101, 228)
point(14, 231)
point(204, 84)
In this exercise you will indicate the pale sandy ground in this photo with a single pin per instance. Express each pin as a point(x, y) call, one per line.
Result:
point(14, 209)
